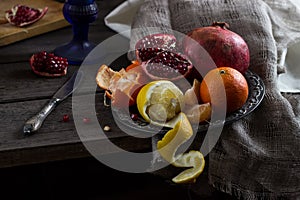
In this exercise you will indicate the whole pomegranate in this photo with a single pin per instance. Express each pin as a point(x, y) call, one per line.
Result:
point(22, 15)
point(225, 47)
point(159, 58)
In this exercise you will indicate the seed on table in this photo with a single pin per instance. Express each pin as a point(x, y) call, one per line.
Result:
point(66, 118)
point(106, 128)
point(86, 120)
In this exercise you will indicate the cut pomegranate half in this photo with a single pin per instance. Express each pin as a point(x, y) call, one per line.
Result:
point(22, 15)
point(150, 45)
point(168, 66)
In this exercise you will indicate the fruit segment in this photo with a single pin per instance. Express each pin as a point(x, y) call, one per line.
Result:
point(159, 102)
point(160, 58)
point(22, 15)
point(150, 45)
point(168, 66)
point(47, 64)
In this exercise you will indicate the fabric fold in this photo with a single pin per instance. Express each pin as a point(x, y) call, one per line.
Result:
point(120, 18)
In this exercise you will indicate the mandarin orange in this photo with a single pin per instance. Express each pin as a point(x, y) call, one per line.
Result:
point(224, 86)
point(133, 64)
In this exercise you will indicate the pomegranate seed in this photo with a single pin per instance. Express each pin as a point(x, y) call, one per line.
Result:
point(134, 116)
point(168, 64)
point(66, 118)
point(151, 45)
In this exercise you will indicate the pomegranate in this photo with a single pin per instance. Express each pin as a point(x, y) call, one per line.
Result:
point(121, 86)
point(47, 64)
point(225, 47)
point(159, 58)
point(150, 45)
point(167, 65)
point(22, 15)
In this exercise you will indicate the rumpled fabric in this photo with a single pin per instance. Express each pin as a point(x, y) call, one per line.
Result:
point(258, 156)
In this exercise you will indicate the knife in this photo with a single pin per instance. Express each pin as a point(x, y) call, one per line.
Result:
point(34, 123)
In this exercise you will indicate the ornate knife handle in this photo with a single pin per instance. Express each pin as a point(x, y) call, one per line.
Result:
point(34, 123)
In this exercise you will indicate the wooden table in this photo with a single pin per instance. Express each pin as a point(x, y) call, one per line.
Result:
point(23, 94)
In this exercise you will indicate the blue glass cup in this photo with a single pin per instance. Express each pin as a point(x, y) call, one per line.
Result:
point(79, 13)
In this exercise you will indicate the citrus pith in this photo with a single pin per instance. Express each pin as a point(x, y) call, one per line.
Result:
point(159, 102)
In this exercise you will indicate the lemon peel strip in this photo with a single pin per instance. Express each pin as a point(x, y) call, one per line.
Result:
point(179, 134)
point(193, 159)
point(172, 140)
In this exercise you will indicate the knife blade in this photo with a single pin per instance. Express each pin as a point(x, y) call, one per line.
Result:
point(35, 122)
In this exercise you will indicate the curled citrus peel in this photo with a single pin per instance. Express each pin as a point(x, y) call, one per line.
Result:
point(169, 104)
point(179, 134)
point(192, 159)
point(172, 140)
point(121, 86)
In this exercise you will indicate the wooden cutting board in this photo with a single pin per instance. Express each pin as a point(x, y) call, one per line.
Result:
point(53, 20)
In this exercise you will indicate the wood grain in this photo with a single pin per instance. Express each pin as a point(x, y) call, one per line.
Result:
point(56, 139)
point(53, 20)
point(27, 85)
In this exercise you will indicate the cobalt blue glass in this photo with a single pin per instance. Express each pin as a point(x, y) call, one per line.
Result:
point(79, 13)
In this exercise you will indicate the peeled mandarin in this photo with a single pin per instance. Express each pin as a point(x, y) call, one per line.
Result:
point(159, 102)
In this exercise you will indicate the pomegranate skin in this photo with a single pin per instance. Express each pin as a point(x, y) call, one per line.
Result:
point(22, 15)
point(225, 47)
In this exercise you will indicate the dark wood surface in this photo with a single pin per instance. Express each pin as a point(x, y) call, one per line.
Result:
point(23, 94)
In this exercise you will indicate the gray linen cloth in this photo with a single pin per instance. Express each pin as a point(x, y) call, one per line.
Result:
point(257, 157)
